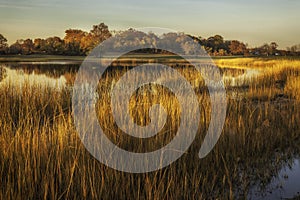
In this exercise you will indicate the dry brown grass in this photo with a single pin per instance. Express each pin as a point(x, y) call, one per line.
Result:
point(290, 62)
point(41, 155)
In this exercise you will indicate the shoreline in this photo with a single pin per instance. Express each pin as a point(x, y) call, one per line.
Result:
point(45, 58)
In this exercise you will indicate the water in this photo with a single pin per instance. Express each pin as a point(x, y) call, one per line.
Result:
point(42, 74)
point(284, 186)
point(239, 77)
point(19, 78)
point(50, 73)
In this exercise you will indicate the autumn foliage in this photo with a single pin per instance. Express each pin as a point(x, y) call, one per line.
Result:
point(79, 42)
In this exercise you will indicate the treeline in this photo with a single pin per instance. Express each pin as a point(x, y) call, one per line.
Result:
point(75, 42)
point(79, 42)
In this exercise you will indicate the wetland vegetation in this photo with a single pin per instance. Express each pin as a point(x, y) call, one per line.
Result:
point(42, 156)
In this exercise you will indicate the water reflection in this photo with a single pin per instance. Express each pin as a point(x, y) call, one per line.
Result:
point(238, 77)
point(284, 186)
point(50, 69)
point(30, 77)
point(233, 77)
point(19, 78)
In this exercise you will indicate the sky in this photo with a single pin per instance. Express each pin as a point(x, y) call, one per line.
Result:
point(254, 22)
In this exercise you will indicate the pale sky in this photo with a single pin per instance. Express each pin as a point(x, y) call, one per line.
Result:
point(254, 22)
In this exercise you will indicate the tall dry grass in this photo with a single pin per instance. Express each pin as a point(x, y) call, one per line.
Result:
point(41, 155)
point(277, 76)
point(281, 62)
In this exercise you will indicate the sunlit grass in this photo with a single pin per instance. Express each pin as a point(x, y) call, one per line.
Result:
point(41, 155)
point(292, 88)
point(290, 62)
point(277, 77)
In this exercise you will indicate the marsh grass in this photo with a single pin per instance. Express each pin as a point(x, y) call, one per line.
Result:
point(291, 62)
point(292, 88)
point(277, 77)
point(42, 157)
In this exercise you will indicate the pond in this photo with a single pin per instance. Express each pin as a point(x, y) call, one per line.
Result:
point(19, 78)
point(285, 182)
point(55, 71)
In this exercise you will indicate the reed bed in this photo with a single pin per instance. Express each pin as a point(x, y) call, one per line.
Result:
point(42, 157)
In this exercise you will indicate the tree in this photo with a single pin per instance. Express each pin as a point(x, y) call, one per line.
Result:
point(100, 33)
point(3, 44)
point(27, 47)
point(221, 52)
point(265, 49)
point(294, 48)
point(78, 42)
point(74, 41)
point(16, 48)
point(54, 45)
point(39, 45)
point(273, 47)
point(237, 48)
point(216, 43)
point(74, 35)
point(87, 44)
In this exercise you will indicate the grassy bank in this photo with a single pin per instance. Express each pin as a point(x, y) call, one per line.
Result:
point(259, 62)
point(39, 58)
point(221, 60)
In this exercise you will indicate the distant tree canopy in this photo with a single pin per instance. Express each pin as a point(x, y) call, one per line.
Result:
point(79, 42)
point(294, 50)
point(237, 48)
point(3, 44)
point(75, 42)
